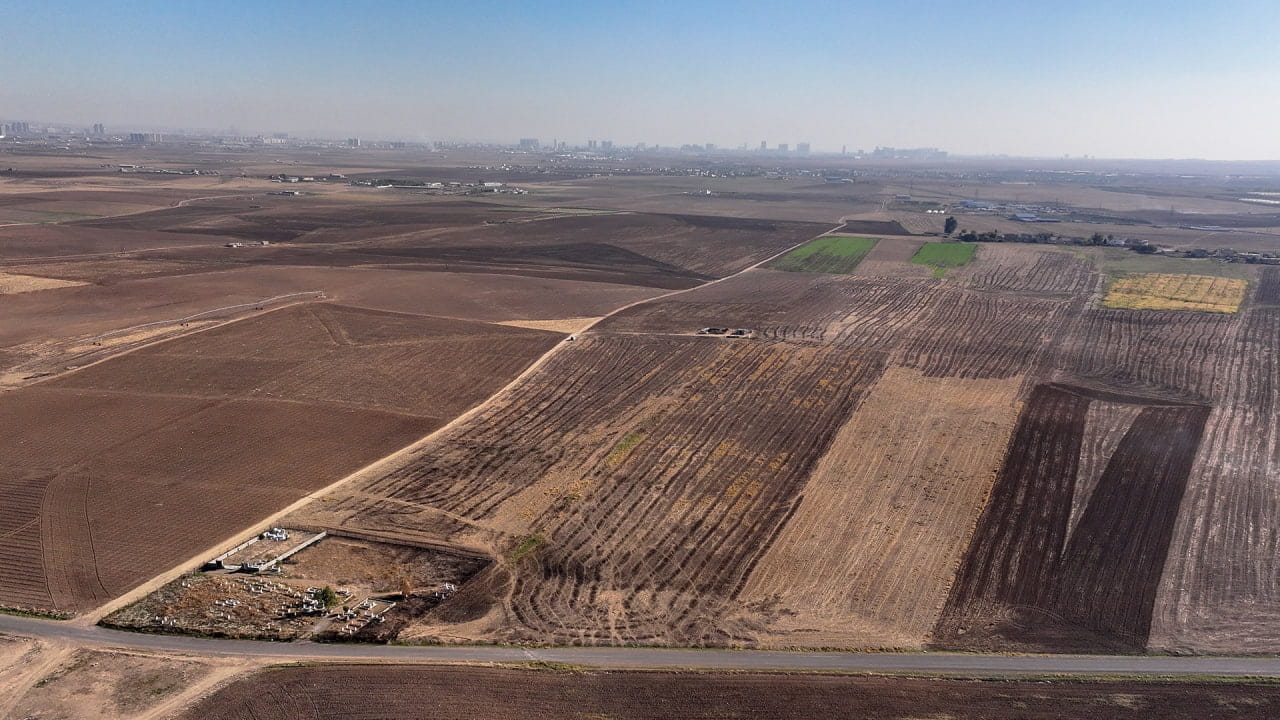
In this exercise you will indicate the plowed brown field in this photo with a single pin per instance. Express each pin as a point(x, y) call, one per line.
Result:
point(651, 250)
point(321, 693)
point(1268, 292)
point(620, 459)
point(1221, 588)
point(1027, 268)
point(119, 471)
point(1057, 562)
point(28, 335)
point(674, 251)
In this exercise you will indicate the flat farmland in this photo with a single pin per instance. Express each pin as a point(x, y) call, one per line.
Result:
point(1158, 291)
point(996, 388)
point(774, 303)
point(329, 354)
point(457, 693)
point(867, 558)
point(891, 257)
point(12, 283)
point(644, 474)
point(941, 256)
point(1219, 591)
point(58, 206)
point(1034, 269)
point(678, 517)
point(131, 465)
point(652, 250)
point(112, 270)
point(830, 253)
point(1070, 551)
point(347, 228)
point(794, 199)
point(943, 328)
point(661, 250)
point(40, 243)
point(919, 444)
point(1268, 292)
point(315, 218)
point(30, 344)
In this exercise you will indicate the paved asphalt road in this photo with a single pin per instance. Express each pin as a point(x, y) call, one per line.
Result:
point(930, 663)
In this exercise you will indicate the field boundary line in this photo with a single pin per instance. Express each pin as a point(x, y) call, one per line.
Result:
point(127, 349)
point(385, 463)
point(179, 203)
point(193, 316)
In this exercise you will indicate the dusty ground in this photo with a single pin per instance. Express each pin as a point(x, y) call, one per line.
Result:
point(44, 681)
point(368, 567)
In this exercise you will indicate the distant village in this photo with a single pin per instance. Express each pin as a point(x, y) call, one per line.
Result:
point(1036, 214)
point(423, 187)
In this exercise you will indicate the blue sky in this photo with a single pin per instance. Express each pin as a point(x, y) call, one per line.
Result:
point(1130, 78)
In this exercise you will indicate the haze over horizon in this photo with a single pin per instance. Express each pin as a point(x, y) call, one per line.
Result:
point(1173, 79)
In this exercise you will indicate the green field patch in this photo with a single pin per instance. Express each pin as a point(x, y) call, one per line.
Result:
point(942, 256)
point(526, 546)
point(838, 254)
point(624, 447)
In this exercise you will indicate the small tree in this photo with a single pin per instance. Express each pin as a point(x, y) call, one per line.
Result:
point(328, 597)
point(950, 225)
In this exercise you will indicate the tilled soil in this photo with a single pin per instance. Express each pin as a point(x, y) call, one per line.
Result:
point(455, 693)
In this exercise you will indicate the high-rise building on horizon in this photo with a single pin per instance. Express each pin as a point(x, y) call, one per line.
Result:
point(529, 144)
point(802, 148)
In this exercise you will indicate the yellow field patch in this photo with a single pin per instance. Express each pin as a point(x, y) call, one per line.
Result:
point(11, 284)
point(564, 325)
point(1160, 291)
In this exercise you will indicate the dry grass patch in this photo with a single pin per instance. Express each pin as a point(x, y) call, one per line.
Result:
point(868, 557)
point(1161, 291)
point(563, 325)
point(11, 284)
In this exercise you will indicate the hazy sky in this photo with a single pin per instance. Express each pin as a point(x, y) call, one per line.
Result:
point(1123, 78)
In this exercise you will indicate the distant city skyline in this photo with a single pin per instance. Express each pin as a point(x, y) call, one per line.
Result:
point(1173, 79)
